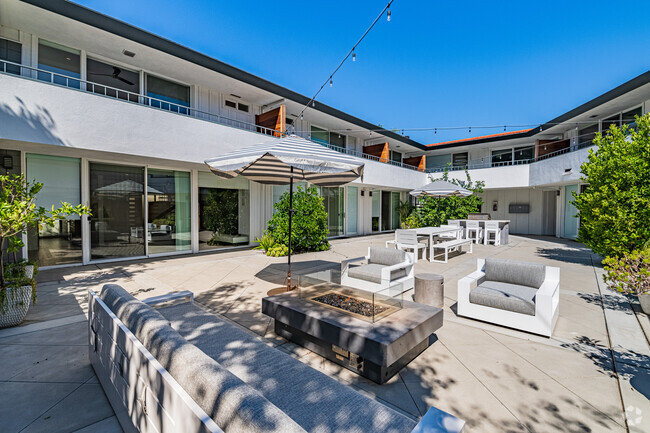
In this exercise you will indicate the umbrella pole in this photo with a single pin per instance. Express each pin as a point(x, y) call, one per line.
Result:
point(290, 215)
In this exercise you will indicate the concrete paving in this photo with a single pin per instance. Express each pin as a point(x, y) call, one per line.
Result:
point(497, 379)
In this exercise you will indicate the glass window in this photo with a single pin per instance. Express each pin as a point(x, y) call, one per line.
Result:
point(586, 135)
point(524, 153)
point(279, 190)
point(395, 156)
point(11, 52)
point(613, 120)
point(164, 90)
point(501, 157)
point(61, 181)
point(319, 135)
point(224, 211)
point(353, 209)
point(168, 211)
point(243, 107)
point(460, 159)
point(333, 200)
point(385, 210)
point(376, 209)
point(61, 62)
point(629, 116)
point(117, 204)
point(231, 104)
point(113, 77)
point(395, 222)
point(337, 139)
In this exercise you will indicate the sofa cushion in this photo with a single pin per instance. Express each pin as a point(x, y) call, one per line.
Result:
point(504, 296)
point(515, 272)
point(232, 404)
point(372, 273)
point(317, 402)
point(386, 256)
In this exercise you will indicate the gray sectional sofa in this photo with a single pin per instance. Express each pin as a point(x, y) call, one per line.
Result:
point(179, 368)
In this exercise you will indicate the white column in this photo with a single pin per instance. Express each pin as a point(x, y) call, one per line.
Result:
point(194, 199)
point(85, 200)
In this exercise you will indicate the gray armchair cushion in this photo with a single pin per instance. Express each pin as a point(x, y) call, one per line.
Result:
point(515, 272)
point(372, 273)
point(230, 402)
point(505, 296)
point(386, 256)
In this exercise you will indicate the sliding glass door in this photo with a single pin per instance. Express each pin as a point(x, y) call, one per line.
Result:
point(168, 211)
point(353, 210)
point(333, 200)
point(117, 204)
point(60, 176)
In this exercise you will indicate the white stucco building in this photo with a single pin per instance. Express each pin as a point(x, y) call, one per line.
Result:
point(111, 116)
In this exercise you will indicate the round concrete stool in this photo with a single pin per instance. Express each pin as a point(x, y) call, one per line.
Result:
point(430, 290)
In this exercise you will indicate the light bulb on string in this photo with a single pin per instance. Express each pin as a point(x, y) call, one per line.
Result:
point(504, 128)
point(388, 14)
point(313, 103)
point(354, 55)
point(301, 116)
point(331, 83)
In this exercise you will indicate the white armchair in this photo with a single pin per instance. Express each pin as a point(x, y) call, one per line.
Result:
point(384, 267)
point(518, 295)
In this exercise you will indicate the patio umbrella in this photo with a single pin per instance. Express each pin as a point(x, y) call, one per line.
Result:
point(285, 160)
point(441, 189)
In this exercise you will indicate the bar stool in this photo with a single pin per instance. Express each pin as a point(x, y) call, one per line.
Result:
point(473, 231)
point(492, 227)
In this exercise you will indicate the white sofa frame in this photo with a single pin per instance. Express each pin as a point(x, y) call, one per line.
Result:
point(547, 302)
point(144, 396)
point(386, 282)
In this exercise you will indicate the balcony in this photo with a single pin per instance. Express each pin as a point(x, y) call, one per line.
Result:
point(364, 155)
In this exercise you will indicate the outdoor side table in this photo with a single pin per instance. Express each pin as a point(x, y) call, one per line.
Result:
point(430, 290)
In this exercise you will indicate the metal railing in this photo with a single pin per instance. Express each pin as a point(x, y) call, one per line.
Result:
point(32, 73)
point(487, 163)
point(365, 155)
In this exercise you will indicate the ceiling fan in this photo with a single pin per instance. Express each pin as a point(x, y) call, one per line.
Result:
point(116, 74)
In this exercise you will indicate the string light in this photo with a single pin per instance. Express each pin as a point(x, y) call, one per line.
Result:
point(388, 13)
point(347, 56)
point(504, 128)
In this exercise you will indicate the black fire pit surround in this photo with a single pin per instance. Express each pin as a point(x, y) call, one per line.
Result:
point(376, 350)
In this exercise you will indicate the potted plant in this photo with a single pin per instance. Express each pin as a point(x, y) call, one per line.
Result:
point(18, 210)
point(630, 274)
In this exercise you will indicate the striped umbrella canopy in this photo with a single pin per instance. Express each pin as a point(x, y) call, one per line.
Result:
point(287, 160)
point(278, 161)
point(441, 189)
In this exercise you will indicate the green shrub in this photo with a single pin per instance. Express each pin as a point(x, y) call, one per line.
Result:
point(614, 209)
point(266, 242)
point(630, 273)
point(309, 223)
point(436, 211)
point(412, 221)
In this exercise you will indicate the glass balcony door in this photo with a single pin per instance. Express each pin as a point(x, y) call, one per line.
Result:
point(168, 211)
point(353, 210)
point(117, 202)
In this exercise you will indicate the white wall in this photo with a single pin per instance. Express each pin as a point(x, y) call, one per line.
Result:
point(43, 113)
point(511, 176)
point(530, 223)
point(553, 170)
point(382, 175)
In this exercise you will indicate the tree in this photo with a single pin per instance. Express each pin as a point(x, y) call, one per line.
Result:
point(18, 211)
point(309, 223)
point(614, 210)
point(434, 211)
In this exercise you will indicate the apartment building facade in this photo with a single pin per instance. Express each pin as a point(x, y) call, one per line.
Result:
point(111, 116)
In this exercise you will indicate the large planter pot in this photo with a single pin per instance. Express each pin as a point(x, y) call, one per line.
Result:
point(15, 305)
point(644, 300)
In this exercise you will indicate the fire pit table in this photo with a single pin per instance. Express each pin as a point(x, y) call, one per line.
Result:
point(373, 334)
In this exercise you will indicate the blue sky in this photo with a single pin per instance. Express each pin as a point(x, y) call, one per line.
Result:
point(436, 64)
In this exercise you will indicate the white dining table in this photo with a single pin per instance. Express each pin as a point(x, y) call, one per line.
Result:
point(435, 231)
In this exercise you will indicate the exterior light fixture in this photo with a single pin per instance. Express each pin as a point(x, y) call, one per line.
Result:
point(128, 53)
point(7, 162)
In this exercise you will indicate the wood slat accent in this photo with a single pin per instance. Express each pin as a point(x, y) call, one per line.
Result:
point(379, 150)
point(275, 119)
point(551, 146)
point(416, 161)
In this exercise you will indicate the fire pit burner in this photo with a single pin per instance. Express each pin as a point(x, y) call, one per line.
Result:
point(349, 303)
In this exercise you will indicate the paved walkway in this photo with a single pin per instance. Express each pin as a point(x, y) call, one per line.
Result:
point(498, 380)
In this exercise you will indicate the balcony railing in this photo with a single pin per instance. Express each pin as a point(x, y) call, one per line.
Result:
point(36, 74)
point(364, 155)
point(482, 163)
